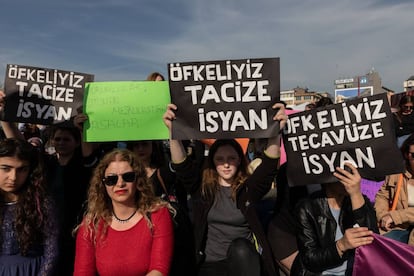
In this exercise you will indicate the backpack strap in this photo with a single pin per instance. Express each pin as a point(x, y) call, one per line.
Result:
point(397, 193)
point(162, 182)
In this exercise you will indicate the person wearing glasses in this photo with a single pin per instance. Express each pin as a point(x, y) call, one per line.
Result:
point(28, 223)
point(394, 202)
point(404, 119)
point(126, 230)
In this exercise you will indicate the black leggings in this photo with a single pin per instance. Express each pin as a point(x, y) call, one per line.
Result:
point(242, 260)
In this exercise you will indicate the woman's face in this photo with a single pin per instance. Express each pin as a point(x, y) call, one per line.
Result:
point(227, 161)
point(407, 108)
point(64, 142)
point(159, 78)
point(124, 190)
point(410, 155)
point(143, 149)
point(13, 174)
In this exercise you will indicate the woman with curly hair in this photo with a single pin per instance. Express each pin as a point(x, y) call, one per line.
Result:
point(29, 240)
point(229, 237)
point(123, 217)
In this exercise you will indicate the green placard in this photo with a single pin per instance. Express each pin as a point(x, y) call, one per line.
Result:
point(125, 111)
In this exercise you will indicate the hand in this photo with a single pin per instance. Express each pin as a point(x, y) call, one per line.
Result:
point(355, 237)
point(386, 222)
point(79, 120)
point(280, 115)
point(169, 115)
point(350, 178)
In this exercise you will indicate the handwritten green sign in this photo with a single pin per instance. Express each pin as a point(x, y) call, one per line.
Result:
point(125, 111)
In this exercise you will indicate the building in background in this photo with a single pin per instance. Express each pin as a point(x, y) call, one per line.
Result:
point(409, 84)
point(300, 97)
point(358, 86)
point(288, 96)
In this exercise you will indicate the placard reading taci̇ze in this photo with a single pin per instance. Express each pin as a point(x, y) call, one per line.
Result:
point(41, 95)
point(225, 99)
point(358, 131)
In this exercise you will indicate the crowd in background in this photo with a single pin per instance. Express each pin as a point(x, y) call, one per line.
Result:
point(184, 208)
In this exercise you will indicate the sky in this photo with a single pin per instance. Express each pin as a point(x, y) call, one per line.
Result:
point(317, 41)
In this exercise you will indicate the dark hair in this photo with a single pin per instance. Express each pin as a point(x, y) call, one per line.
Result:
point(210, 176)
point(405, 99)
point(324, 101)
point(73, 131)
point(30, 214)
point(311, 105)
point(224, 142)
point(158, 158)
point(21, 149)
point(153, 76)
point(405, 148)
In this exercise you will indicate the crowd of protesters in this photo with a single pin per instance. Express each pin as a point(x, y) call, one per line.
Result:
point(157, 208)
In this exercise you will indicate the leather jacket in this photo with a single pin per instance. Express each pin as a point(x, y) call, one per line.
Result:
point(316, 233)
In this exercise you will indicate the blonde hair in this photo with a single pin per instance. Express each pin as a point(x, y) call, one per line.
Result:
point(98, 215)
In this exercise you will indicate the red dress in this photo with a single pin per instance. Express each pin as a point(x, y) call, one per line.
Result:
point(135, 251)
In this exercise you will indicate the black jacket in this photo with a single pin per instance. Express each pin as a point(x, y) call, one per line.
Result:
point(316, 233)
point(253, 190)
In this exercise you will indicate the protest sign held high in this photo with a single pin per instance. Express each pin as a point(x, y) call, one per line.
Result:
point(359, 131)
point(223, 99)
point(41, 95)
point(130, 110)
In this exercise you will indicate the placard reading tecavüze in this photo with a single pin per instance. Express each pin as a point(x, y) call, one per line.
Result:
point(225, 99)
point(125, 110)
point(359, 131)
point(41, 95)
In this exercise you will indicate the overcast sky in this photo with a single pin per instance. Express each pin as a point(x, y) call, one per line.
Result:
point(317, 41)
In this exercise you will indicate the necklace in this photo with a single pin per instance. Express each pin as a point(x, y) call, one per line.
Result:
point(123, 220)
point(9, 203)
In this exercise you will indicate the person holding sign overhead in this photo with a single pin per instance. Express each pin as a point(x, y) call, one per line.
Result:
point(229, 238)
point(331, 223)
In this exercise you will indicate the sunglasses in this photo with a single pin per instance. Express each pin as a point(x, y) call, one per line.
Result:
point(408, 107)
point(111, 180)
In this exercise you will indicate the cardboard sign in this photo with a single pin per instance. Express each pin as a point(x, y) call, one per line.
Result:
point(125, 111)
point(225, 99)
point(42, 96)
point(359, 131)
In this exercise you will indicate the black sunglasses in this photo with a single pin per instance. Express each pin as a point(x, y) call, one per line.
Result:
point(111, 180)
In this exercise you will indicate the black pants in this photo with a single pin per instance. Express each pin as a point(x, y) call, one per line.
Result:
point(242, 260)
